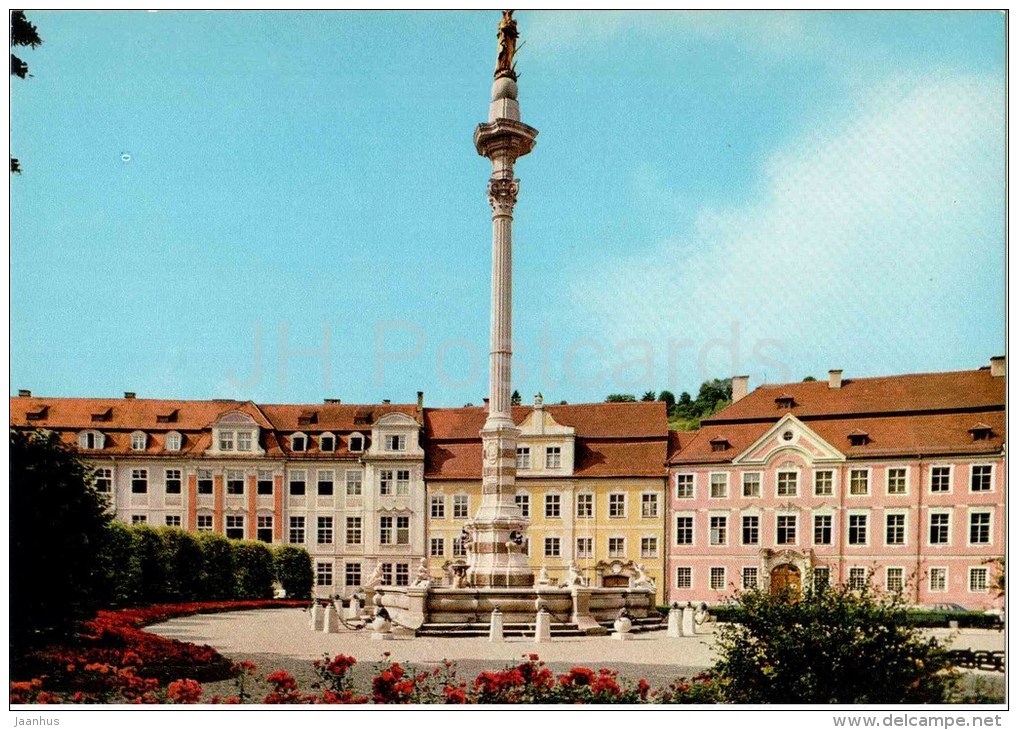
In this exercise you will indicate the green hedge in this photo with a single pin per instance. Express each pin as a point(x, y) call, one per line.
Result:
point(253, 570)
point(294, 571)
point(919, 618)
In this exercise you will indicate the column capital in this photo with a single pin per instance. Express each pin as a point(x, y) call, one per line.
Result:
point(502, 194)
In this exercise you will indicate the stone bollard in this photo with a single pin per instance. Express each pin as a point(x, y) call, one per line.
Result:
point(353, 612)
point(542, 629)
point(687, 620)
point(700, 619)
point(623, 627)
point(675, 621)
point(317, 616)
point(330, 624)
point(495, 633)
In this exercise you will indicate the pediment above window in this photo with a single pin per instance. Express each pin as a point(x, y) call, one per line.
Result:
point(789, 435)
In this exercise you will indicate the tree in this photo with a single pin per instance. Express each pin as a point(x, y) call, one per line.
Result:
point(516, 399)
point(649, 397)
point(620, 398)
point(713, 396)
point(23, 33)
point(669, 400)
point(58, 524)
point(809, 379)
point(294, 571)
point(829, 645)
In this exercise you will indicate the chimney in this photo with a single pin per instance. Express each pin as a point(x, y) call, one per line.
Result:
point(740, 387)
point(998, 366)
point(128, 395)
point(24, 394)
point(486, 402)
point(834, 378)
point(538, 402)
point(420, 401)
point(386, 402)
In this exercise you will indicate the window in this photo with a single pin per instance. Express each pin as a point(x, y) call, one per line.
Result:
point(788, 484)
point(324, 530)
point(264, 528)
point(264, 484)
point(352, 575)
point(297, 530)
point(857, 578)
point(648, 506)
point(403, 482)
point(385, 480)
point(104, 480)
point(982, 478)
point(683, 486)
point(857, 525)
point(749, 578)
point(460, 506)
point(822, 528)
point(173, 441)
point(940, 479)
point(553, 457)
point(750, 530)
point(299, 442)
point(437, 547)
point(173, 520)
point(858, 482)
point(787, 525)
point(395, 442)
point(584, 506)
point(616, 547)
point(940, 528)
point(226, 440)
point(402, 574)
point(823, 483)
point(323, 574)
point(204, 481)
point(90, 440)
point(718, 530)
point(821, 576)
point(979, 580)
point(616, 505)
point(683, 530)
point(894, 532)
point(648, 547)
point(386, 574)
point(298, 483)
point(403, 530)
point(979, 528)
point(522, 457)
point(139, 519)
point(356, 443)
point(584, 547)
point(751, 484)
point(173, 481)
point(386, 535)
point(353, 484)
point(938, 579)
point(243, 441)
point(139, 481)
point(138, 441)
point(895, 579)
point(552, 547)
point(204, 523)
point(437, 507)
point(718, 486)
point(552, 506)
point(385, 530)
point(353, 531)
point(717, 579)
point(327, 442)
point(683, 577)
point(325, 483)
point(523, 502)
point(896, 481)
point(235, 527)
point(234, 482)
point(459, 550)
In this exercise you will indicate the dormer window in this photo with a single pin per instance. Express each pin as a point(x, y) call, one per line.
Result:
point(173, 441)
point(719, 443)
point(39, 415)
point(106, 415)
point(395, 442)
point(307, 418)
point(981, 432)
point(226, 441)
point(858, 438)
point(91, 440)
point(243, 441)
point(139, 441)
point(298, 442)
point(170, 417)
point(327, 442)
point(356, 443)
point(785, 401)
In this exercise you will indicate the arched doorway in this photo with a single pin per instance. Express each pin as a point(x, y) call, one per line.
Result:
point(786, 577)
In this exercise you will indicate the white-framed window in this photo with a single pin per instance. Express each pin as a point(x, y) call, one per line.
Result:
point(395, 442)
point(552, 506)
point(584, 547)
point(718, 530)
point(718, 485)
point(897, 482)
point(683, 577)
point(394, 530)
point(352, 575)
point(402, 482)
point(938, 579)
point(522, 457)
point(437, 547)
point(823, 483)
point(173, 441)
point(982, 478)
point(858, 529)
point(648, 547)
point(104, 480)
point(552, 547)
point(226, 440)
point(353, 482)
point(173, 520)
point(751, 484)
point(263, 529)
point(858, 482)
point(173, 481)
point(235, 527)
point(244, 441)
point(940, 528)
point(460, 506)
point(979, 580)
point(821, 576)
point(205, 481)
point(786, 529)
point(402, 574)
point(823, 528)
point(683, 530)
point(979, 527)
point(386, 574)
point(683, 486)
point(895, 579)
point(553, 457)
point(523, 502)
point(459, 550)
point(940, 479)
point(298, 483)
point(894, 528)
point(325, 530)
point(648, 506)
point(585, 506)
point(717, 578)
point(297, 531)
point(356, 443)
point(139, 440)
point(139, 481)
point(438, 506)
point(92, 440)
point(788, 484)
point(750, 530)
point(354, 531)
point(139, 520)
point(204, 523)
point(264, 483)
point(857, 578)
point(750, 578)
point(323, 574)
point(616, 506)
point(234, 482)
point(386, 481)
point(327, 442)
point(616, 547)
point(299, 442)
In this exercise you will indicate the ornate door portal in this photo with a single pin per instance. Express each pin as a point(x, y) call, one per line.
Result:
point(786, 577)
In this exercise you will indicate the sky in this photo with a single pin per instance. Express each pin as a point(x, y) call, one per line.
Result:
point(287, 206)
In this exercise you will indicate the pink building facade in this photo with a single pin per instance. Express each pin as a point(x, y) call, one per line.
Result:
point(896, 481)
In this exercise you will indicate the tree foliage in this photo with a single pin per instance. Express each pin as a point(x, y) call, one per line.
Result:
point(516, 398)
point(620, 398)
point(668, 398)
point(649, 397)
point(294, 571)
point(23, 33)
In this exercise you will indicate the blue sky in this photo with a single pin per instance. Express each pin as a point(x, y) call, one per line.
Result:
point(288, 206)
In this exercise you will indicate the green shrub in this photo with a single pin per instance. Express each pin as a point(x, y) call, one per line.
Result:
point(184, 560)
point(965, 619)
point(294, 571)
point(216, 568)
point(118, 567)
point(253, 569)
point(154, 563)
